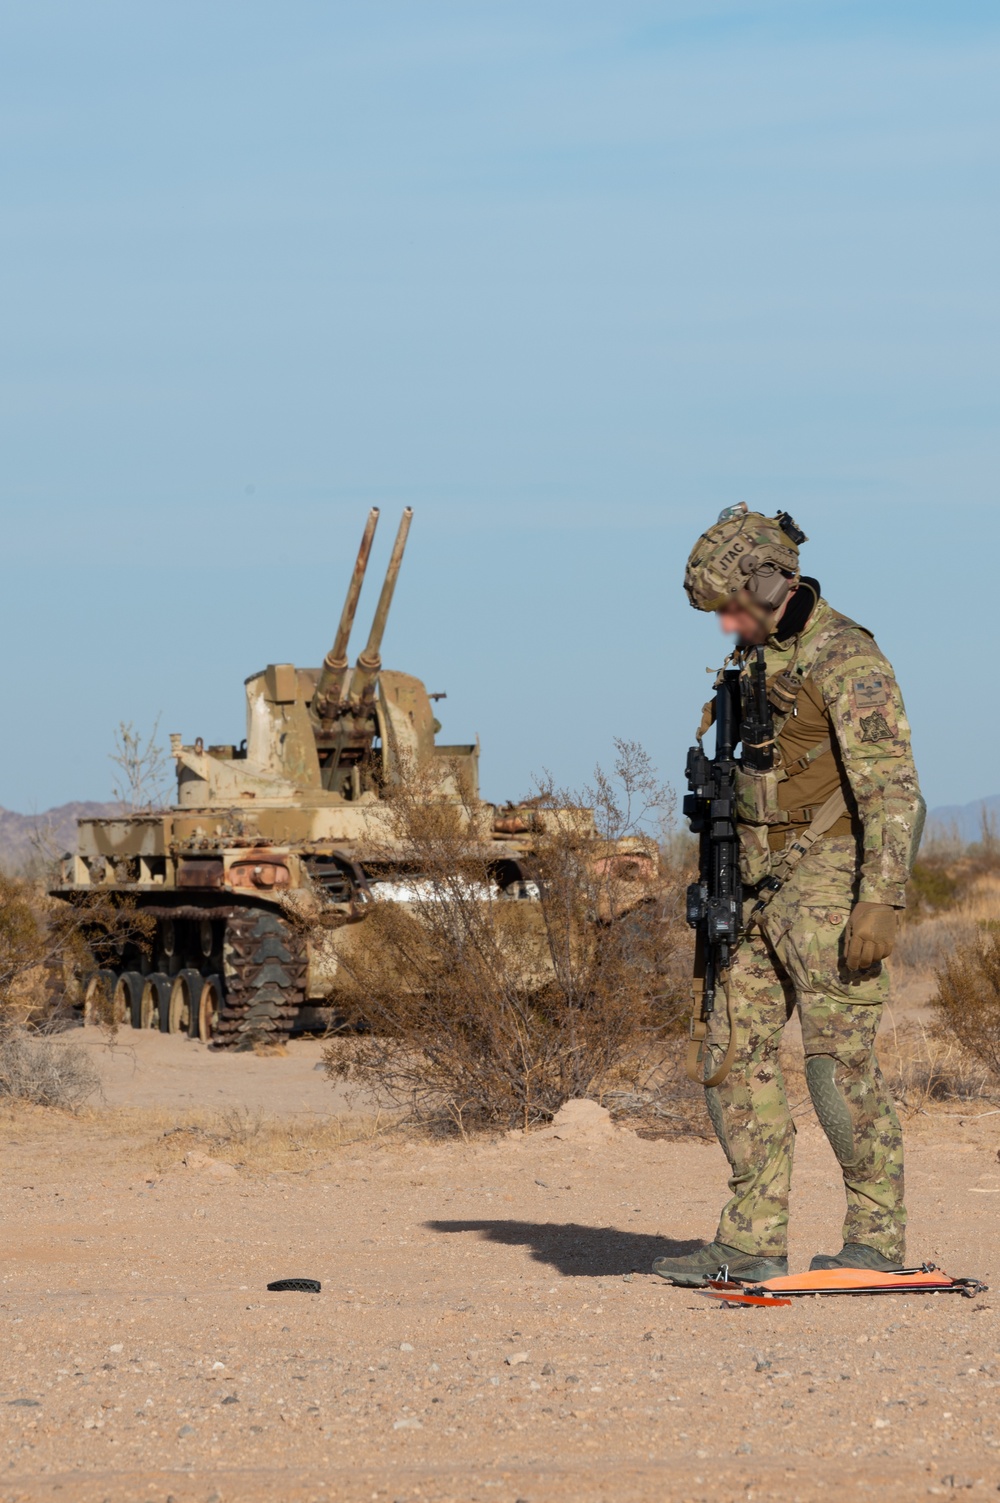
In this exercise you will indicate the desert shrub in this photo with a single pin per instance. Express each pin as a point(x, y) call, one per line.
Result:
point(46, 945)
point(967, 1004)
point(31, 937)
point(482, 1009)
point(43, 1071)
point(924, 1064)
point(22, 941)
point(950, 874)
point(926, 946)
point(143, 769)
point(932, 886)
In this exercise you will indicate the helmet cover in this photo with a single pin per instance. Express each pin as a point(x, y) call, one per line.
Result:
point(744, 552)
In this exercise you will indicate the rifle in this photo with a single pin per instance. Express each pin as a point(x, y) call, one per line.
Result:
point(715, 901)
point(757, 725)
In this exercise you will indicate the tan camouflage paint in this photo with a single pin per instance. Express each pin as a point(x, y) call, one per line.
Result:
point(799, 964)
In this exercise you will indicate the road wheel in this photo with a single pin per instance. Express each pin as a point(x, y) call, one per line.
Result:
point(167, 957)
point(185, 994)
point(206, 1016)
point(127, 1007)
point(155, 1007)
point(98, 997)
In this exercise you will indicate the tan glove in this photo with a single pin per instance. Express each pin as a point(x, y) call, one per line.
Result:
point(870, 935)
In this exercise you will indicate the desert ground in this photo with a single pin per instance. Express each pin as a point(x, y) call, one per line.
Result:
point(488, 1328)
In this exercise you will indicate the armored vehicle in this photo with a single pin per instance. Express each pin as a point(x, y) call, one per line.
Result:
point(284, 828)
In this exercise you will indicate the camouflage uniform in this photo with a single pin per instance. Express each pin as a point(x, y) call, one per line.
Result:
point(794, 959)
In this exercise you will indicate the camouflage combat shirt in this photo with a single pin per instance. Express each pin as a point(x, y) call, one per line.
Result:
point(848, 684)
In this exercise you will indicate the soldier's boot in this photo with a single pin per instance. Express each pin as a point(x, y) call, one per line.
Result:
point(692, 1269)
point(855, 1255)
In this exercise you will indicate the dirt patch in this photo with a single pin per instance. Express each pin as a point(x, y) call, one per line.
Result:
point(146, 1070)
point(487, 1327)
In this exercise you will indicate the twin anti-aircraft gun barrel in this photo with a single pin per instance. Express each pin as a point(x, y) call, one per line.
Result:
point(340, 689)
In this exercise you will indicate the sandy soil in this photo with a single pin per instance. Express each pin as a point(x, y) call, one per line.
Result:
point(487, 1328)
point(147, 1069)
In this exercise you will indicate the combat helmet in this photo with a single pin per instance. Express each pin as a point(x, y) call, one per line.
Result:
point(747, 554)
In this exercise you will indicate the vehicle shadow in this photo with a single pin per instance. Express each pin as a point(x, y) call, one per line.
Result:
point(583, 1251)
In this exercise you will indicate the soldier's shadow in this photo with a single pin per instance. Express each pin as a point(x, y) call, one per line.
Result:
point(582, 1251)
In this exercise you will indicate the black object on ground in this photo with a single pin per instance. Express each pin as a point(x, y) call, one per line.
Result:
point(295, 1286)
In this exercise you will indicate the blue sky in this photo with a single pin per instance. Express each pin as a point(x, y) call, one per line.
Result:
point(567, 278)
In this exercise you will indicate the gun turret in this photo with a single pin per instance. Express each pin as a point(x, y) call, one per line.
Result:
point(331, 688)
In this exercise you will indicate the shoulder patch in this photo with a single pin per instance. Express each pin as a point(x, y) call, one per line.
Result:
point(870, 693)
point(875, 727)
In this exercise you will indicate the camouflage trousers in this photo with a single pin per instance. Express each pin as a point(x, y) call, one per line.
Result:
point(797, 963)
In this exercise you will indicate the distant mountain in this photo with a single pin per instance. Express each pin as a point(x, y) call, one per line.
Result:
point(965, 820)
point(24, 838)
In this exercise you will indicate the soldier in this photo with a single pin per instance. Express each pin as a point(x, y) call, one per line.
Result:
point(843, 742)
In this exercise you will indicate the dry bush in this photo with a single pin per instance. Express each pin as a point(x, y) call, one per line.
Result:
point(924, 1065)
point(924, 947)
point(947, 872)
point(932, 887)
point(43, 1071)
point(967, 1005)
point(47, 945)
point(143, 769)
point(981, 900)
point(37, 937)
point(952, 937)
point(23, 947)
point(477, 1009)
point(957, 946)
point(966, 903)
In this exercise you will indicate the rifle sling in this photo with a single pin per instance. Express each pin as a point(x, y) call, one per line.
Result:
point(694, 1065)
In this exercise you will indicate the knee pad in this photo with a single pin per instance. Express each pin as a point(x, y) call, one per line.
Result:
point(831, 1106)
